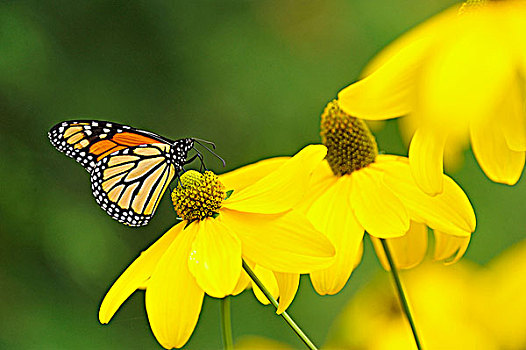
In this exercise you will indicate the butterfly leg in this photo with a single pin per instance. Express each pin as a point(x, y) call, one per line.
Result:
point(191, 159)
point(201, 159)
point(200, 156)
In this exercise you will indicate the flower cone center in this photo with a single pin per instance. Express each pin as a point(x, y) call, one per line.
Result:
point(198, 196)
point(350, 144)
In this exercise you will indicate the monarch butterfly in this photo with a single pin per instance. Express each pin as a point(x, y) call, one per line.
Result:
point(130, 168)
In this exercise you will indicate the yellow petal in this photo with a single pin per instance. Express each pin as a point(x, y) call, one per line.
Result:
point(407, 251)
point(428, 31)
point(449, 211)
point(283, 243)
point(215, 259)
point(245, 176)
point(266, 277)
point(426, 153)
point(242, 283)
point(515, 19)
point(389, 87)
point(377, 209)
point(173, 298)
point(454, 152)
point(454, 146)
point(512, 117)
point(498, 162)
point(389, 91)
point(136, 274)
point(450, 248)
point(466, 77)
point(321, 179)
point(282, 189)
point(288, 284)
point(359, 256)
point(332, 215)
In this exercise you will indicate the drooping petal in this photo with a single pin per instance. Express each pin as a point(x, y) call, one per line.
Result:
point(389, 91)
point(449, 211)
point(136, 274)
point(512, 117)
point(288, 284)
point(332, 215)
point(282, 189)
point(283, 243)
point(514, 18)
point(377, 209)
point(428, 31)
point(245, 176)
point(407, 251)
point(454, 146)
point(321, 179)
point(266, 277)
point(454, 152)
point(215, 259)
point(242, 283)
point(389, 87)
point(449, 248)
point(498, 162)
point(173, 298)
point(359, 256)
point(426, 153)
point(467, 75)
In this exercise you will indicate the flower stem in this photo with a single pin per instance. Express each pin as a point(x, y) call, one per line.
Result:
point(284, 314)
point(226, 324)
point(401, 293)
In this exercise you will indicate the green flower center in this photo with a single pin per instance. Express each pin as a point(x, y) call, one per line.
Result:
point(198, 196)
point(350, 144)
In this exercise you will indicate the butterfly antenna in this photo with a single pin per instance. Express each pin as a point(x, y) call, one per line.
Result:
point(205, 141)
point(209, 150)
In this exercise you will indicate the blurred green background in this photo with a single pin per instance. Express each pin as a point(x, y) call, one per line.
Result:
point(253, 76)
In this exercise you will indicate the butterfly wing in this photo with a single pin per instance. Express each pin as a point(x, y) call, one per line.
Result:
point(88, 141)
point(130, 168)
point(129, 183)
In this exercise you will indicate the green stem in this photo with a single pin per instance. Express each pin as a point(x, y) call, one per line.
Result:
point(401, 293)
point(284, 314)
point(226, 324)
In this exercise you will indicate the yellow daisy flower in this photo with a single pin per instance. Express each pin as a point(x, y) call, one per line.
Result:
point(355, 189)
point(443, 305)
point(501, 290)
point(203, 253)
point(459, 76)
point(484, 308)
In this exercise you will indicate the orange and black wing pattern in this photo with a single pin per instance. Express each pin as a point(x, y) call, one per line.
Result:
point(130, 169)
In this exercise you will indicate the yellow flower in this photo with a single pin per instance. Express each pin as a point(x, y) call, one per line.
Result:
point(203, 254)
point(443, 308)
point(355, 189)
point(459, 76)
point(501, 291)
point(463, 307)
